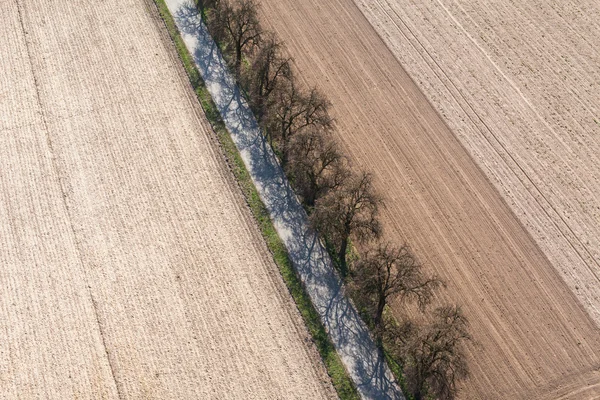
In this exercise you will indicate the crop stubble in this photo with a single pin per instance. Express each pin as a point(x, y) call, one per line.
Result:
point(534, 339)
point(130, 264)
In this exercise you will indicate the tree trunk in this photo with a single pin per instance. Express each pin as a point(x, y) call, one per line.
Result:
point(260, 112)
point(311, 197)
point(309, 200)
point(420, 383)
point(342, 257)
point(379, 313)
point(238, 62)
point(284, 154)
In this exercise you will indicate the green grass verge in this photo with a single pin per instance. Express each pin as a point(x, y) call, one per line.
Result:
point(344, 386)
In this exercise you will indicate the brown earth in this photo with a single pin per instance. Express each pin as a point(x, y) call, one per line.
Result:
point(517, 82)
point(130, 265)
point(534, 339)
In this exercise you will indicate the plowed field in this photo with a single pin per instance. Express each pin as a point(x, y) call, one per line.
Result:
point(518, 83)
point(130, 265)
point(484, 220)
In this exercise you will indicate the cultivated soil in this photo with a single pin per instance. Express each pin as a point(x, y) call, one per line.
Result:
point(518, 83)
point(535, 335)
point(130, 265)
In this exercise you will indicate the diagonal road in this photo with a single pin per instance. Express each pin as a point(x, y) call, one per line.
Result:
point(350, 336)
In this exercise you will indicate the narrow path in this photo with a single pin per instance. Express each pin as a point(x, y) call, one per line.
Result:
point(348, 333)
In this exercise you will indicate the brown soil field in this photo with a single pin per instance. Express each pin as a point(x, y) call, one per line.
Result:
point(130, 264)
point(518, 83)
point(533, 336)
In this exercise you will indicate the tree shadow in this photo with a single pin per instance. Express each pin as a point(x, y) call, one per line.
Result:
point(364, 361)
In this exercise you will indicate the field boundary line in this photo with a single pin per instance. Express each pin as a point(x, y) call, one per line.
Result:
point(569, 237)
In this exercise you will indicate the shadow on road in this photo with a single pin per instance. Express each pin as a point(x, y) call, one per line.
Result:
point(365, 363)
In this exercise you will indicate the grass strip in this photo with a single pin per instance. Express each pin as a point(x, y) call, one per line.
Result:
point(342, 383)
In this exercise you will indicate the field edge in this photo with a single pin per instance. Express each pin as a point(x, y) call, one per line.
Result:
point(341, 381)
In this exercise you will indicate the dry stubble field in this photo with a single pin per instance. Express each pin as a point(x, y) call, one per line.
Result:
point(509, 221)
point(130, 265)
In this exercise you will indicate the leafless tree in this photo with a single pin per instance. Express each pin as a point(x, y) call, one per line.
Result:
point(237, 26)
point(389, 272)
point(432, 355)
point(352, 209)
point(268, 70)
point(316, 166)
point(315, 106)
point(294, 111)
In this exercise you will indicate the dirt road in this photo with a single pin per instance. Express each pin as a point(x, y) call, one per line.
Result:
point(131, 267)
point(534, 338)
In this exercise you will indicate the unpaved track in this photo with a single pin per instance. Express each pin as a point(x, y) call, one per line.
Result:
point(130, 265)
point(535, 340)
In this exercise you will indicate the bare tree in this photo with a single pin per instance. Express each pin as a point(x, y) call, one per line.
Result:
point(388, 272)
point(316, 110)
point(316, 166)
point(352, 209)
point(279, 124)
point(236, 24)
point(268, 70)
point(293, 111)
point(432, 355)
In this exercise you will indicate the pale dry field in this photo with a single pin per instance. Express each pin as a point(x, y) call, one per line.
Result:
point(130, 265)
point(534, 338)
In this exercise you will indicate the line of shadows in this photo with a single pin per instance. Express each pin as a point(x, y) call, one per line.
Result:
point(364, 361)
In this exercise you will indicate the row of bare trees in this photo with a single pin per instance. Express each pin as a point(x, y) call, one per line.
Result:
point(342, 204)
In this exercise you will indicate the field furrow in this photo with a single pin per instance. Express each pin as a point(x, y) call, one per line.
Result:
point(517, 83)
point(533, 337)
point(131, 265)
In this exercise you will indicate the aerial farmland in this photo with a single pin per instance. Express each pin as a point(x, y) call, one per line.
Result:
point(479, 120)
point(281, 199)
point(131, 267)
